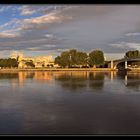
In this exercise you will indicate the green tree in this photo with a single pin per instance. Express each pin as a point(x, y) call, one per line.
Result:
point(63, 60)
point(73, 57)
point(82, 58)
point(96, 58)
point(8, 63)
point(132, 54)
point(136, 53)
point(58, 60)
point(30, 64)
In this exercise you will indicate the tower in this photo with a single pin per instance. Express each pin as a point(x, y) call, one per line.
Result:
point(13, 55)
point(20, 56)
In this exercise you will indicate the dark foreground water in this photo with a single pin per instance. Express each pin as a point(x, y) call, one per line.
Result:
point(69, 103)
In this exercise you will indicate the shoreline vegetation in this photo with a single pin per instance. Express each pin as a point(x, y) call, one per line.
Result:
point(71, 60)
point(59, 69)
point(65, 69)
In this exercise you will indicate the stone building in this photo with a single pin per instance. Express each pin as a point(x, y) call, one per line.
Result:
point(38, 61)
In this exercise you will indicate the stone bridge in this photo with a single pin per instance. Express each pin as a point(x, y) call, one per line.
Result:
point(123, 62)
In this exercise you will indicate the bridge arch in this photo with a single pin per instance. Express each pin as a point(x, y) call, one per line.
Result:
point(121, 64)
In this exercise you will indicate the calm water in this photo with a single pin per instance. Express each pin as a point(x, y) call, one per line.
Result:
point(69, 103)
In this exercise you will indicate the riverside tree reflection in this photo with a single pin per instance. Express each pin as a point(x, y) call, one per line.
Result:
point(79, 80)
point(72, 80)
point(96, 80)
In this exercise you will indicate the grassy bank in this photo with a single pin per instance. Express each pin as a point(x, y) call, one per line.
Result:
point(135, 70)
point(58, 69)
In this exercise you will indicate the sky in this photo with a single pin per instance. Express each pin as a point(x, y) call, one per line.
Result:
point(51, 29)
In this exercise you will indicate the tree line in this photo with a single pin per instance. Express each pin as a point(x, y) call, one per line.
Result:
point(74, 58)
point(8, 63)
point(132, 54)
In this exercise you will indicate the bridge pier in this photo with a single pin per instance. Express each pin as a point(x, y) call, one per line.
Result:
point(125, 64)
point(112, 64)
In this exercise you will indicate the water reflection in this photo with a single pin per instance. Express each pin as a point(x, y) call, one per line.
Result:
point(8, 76)
point(39, 104)
point(96, 80)
point(73, 80)
point(131, 80)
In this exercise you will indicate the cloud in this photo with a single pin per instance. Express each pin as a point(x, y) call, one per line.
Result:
point(10, 24)
point(43, 19)
point(48, 35)
point(21, 26)
point(31, 9)
point(11, 33)
point(133, 34)
point(126, 45)
point(7, 35)
point(26, 10)
point(43, 47)
point(4, 8)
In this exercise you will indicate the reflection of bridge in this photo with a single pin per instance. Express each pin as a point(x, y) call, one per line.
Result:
point(116, 64)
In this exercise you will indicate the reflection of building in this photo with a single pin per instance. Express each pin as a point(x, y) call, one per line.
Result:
point(38, 61)
point(43, 76)
point(21, 77)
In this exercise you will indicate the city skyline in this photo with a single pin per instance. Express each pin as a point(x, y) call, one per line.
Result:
point(51, 29)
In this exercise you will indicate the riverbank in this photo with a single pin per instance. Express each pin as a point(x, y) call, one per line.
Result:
point(59, 69)
point(134, 70)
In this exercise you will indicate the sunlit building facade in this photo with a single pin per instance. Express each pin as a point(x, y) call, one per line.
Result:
point(38, 61)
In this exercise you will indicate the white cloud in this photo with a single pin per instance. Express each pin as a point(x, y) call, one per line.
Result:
point(26, 10)
point(41, 47)
point(43, 19)
point(4, 8)
point(14, 33)
point(8, 34)
point(30, 9)
point(33, 48)
point(126, 45)
point(48, 45)
point(48, 35)
point(16, 27)
point(9, 24)
point(133, 34)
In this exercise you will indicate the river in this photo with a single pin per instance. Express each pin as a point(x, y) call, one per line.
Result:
point(69, 103)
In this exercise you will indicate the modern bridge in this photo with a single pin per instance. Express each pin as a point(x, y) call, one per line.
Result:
point(124, 63)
